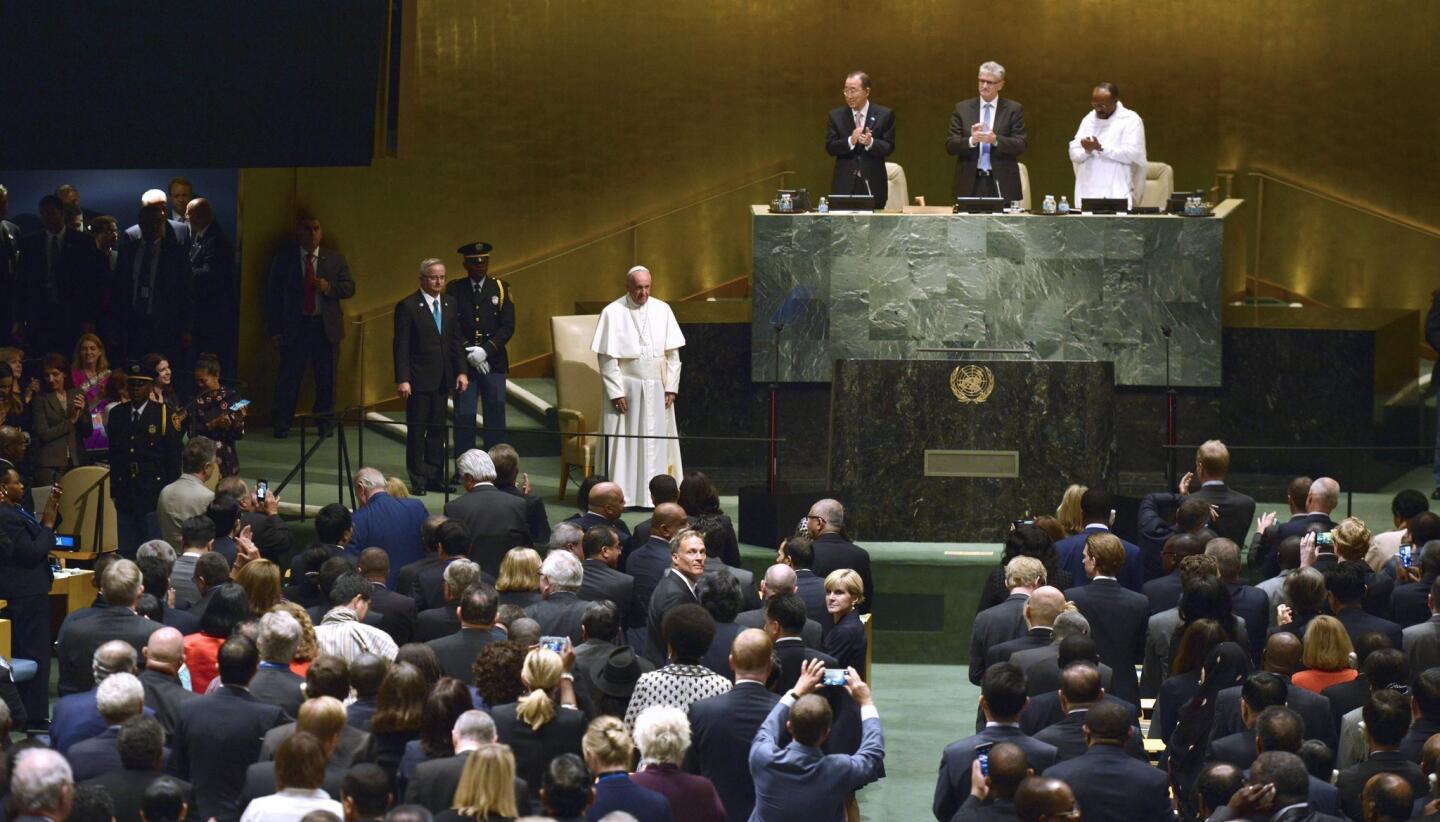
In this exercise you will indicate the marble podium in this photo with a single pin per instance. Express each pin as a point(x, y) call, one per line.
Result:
point(1072, 287)
point(931, 451)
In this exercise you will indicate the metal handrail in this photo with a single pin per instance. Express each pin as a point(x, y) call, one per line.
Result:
point(1363, 209)
point(631, 227)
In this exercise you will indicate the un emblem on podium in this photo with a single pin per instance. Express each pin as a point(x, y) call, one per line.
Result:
point(972, 383)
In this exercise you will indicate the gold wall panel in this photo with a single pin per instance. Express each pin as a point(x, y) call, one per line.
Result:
point(536, 125)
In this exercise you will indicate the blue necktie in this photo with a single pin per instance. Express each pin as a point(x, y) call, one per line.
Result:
point(985, 147)
point(435, 311)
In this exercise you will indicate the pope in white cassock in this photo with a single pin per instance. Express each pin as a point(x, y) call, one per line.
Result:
point(1108, 151)
point(638, 346)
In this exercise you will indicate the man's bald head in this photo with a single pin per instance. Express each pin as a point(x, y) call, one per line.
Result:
point(667, 520)
point(1387, 796)
point(606, 497)
point(1324, 495)
point(12, 439)
point(751, 654)
point(1046, 603)
point(166, 646)
point(830, 512)
point(1430, 755)
point(1042, 798)
point(199, 214)
point(1079, 686)
point(1284, 653)
point(779, 579)
point(1008, 769)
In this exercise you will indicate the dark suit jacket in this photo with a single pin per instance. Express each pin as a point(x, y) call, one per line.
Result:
point(1108, 784)
point(436, 622)
point(212, 264)
point(495, 521)
point(1265, 552)
point(833, 552)
point(866, 163)
point(1118, 620)
point(1164, 592)
point(165, 694)
point(1238, 749)
point(396, 612)
point(177, 230)
point(559, 615)
point(755, 618)
point(426, 357)
point(1358, 623)
point(407, 580)
point(97, 755)
point(457, 651)
point(721, 730)
point(429, 587)
point(285, 293)
point(488, 323)
point(1408, 603)
point(811, 588)
point(75, 718)
point(260, 781)
point(1352, 780)
point(170, 313)
point(1313, 708)
point(216, 732)
point(392, 524)
point(1252, 605)
point(356, 745)
point(24, 565)
point(1068, 737)
point(433, 785)
point(1071, 551)
point(79, 639)
point(1034, 638)
point(50, 321)
point(1041, 667)
point(790, 655)
point(280, 688)
point(600, 581)
point(993, 626)
point(1008, 123)
point(1342, 698)
point(670, 592)
point(535, 514)
point(127, 790)
point(647, 565)
point(846, 642)
point(717, 656)
point(1043, 710)
point(1237, 510)
point(1414, 742)
point(953, 784)
point(995, 809)
point(534, 749)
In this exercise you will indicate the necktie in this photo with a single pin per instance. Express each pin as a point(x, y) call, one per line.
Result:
point(309, 307)
point(859, 119)
point(984, 164)
point(135, 416)
point(435, 312)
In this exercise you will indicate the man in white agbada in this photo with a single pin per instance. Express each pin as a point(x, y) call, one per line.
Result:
point(1108, 151)
point(638, 345)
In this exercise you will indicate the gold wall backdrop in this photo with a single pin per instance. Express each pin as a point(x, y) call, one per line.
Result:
point(541, 126)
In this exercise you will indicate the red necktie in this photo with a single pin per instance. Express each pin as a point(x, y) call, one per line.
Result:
point(309, 284)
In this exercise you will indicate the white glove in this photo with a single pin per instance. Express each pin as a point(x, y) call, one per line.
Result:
point(476, 357)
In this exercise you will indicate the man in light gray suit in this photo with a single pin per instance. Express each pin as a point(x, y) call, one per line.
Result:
point(187, 496)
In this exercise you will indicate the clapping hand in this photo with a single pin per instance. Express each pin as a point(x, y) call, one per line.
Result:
point(1283, 615)
point(1308, 550)
point(1266, 520)
point(1090, 144)
point(865, 138)
point(1185, 481)
point(77, 407)
point(245, 549)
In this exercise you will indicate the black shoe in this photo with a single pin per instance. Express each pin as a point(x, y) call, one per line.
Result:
point(440, 488)
point(417, 490)
point(280, 435)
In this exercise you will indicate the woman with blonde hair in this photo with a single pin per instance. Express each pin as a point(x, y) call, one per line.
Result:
point(486, 791)
point(1327, 655)
point(544, 722)
point(1069, 511)
point(309, 647)
point(608, 753)
point(90, 373)
point(519, 582)
point(1352, 539)
point(396, 487)
point(844, 635)
point(261, 580)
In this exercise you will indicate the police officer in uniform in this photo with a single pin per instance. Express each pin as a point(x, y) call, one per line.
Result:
point(487, 322)
point(145, 447)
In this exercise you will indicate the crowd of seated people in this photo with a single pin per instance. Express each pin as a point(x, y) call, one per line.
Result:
point(234, 675)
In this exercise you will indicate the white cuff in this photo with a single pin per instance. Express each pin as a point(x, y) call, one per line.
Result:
point(869, 712)
point(788, 699)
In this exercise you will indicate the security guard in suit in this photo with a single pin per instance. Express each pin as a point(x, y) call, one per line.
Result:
point(145, 445)
point(487, 322)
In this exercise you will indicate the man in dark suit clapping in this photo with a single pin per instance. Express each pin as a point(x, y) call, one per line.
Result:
point(302, 307)
point(860, 135)
point(153, 291)
point(429, 363)
point(987, 134)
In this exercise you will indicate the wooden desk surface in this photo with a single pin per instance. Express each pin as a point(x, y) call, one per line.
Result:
point(76, 586)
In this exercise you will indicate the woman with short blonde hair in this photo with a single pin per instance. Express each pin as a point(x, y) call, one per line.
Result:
point(1327, 655)
point(519, 582)
point(487, 784)
point(261, 580)
point(844, 635)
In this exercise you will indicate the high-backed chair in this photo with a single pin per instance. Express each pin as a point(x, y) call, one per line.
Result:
point(87, 513)
point(1024, 186)
point(578, 392)
point(899, 190)
point(1159, 185)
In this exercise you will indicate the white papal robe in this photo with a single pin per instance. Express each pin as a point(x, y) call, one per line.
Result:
point(1118, 170)
point(638, 349)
